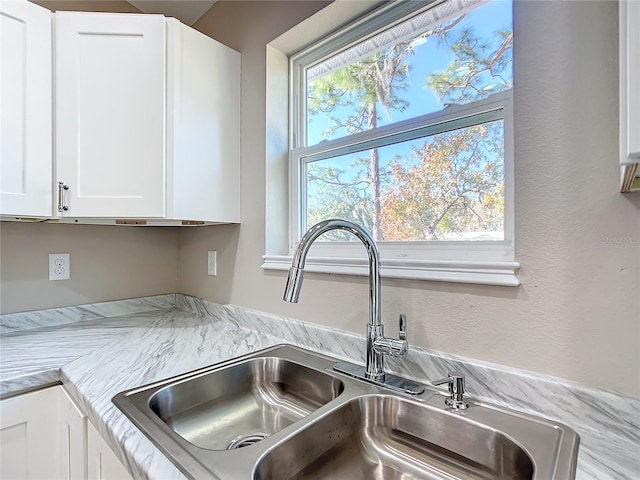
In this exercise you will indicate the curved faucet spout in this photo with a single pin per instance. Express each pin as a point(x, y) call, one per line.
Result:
point(377, 344)
point(296, 272)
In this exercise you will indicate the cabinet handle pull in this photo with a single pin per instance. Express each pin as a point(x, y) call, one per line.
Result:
point(61, 203)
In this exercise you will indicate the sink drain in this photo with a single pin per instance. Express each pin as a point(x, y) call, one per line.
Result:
point(246, 441)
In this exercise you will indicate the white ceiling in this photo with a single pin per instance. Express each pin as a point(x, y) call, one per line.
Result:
point(187, 11)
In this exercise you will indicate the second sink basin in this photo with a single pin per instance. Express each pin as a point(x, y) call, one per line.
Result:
point(244, 403)
point(387, 437)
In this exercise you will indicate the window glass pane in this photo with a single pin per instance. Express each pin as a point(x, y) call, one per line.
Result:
point(448, 186)
point(440, 57)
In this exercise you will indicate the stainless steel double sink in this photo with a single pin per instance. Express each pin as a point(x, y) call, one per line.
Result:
point(284, 413)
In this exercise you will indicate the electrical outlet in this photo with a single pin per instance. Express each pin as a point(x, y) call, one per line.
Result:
point(212, 262)
point(59, 266)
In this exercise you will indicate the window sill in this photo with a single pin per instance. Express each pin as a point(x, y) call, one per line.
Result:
point(483, 273)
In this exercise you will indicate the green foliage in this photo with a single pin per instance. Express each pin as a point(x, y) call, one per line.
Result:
point(340, 193)
point(476, 70)
point(452, 182)
point(362, 87)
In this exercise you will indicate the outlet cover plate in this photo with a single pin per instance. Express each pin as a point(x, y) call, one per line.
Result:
point(59, 266)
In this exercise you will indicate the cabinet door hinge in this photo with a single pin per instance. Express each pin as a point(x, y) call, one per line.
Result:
point(131, 222)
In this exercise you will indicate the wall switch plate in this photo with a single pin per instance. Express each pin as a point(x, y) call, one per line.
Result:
point(59, 266)
point(212, 262)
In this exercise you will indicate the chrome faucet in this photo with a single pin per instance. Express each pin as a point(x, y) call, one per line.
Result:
point(377, 344)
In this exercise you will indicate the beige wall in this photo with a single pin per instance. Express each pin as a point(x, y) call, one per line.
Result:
point(577, 313)
point(107, 263)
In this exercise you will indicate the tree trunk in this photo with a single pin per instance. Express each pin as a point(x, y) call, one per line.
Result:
point(375, 177)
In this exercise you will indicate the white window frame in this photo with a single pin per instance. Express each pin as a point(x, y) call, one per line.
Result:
point(481, 262)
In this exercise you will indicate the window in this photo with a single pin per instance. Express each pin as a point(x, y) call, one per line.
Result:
point(402, 122)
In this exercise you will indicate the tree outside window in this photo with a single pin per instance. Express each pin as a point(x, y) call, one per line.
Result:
point(444, 186)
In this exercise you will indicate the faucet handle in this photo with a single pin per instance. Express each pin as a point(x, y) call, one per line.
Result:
point(402, 328)
point(455, 380)
point(396, 347)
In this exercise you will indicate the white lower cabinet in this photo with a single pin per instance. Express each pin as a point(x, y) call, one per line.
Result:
point(29, 440)
point(73, 439)
point(102, 462)
point(43, 435)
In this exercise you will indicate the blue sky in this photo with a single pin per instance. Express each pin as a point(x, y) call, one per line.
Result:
point(428, 57)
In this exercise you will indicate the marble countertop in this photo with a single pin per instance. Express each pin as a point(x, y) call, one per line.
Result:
point(97, 358)
point(31, 359)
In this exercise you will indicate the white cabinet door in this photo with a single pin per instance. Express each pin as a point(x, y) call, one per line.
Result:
point(102, 462)
point(29, 436)
point(25, 97)
point(110, 111)
point(203, 121)
point(43, 435)
point(73, 440)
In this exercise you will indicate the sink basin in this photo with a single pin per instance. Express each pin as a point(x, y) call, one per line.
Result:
point(285, 413)
point(387, 437)
point(244, 403)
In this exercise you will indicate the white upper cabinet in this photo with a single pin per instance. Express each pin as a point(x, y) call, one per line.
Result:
point(630, 94)
point(147, 120)
point(110, 108)
point(203, 127)
point(25, 113)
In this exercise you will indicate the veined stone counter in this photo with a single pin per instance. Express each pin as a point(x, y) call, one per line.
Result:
point(34, 346)
point(96, 356)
